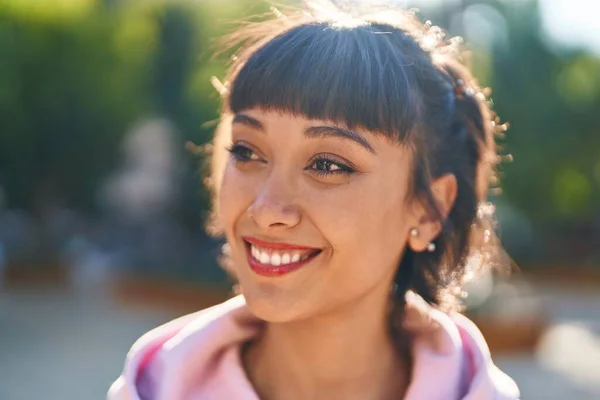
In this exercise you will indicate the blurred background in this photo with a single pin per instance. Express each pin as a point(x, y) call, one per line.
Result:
point(102, 206)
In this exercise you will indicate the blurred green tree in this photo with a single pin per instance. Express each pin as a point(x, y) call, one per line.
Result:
point(76, 74)
point(548, 96)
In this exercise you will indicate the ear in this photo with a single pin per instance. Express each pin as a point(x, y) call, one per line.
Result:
point(426, 221)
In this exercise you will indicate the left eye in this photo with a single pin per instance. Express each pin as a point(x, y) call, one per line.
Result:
point(325, 166)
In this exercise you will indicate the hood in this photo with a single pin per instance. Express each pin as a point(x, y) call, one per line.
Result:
point(198, 357)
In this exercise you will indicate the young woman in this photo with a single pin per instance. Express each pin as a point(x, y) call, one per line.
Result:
point(352, 197)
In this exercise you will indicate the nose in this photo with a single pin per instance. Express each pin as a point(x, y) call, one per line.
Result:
point(274, 206)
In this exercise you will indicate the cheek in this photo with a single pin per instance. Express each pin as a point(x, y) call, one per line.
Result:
point(364, 223)
point(369, 207)
point(235, 195)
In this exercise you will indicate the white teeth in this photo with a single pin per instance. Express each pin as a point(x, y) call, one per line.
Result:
point(276, 259)
point(270, 257)
point(264, 257)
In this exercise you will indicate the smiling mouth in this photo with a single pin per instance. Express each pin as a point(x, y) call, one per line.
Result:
point(276, 259)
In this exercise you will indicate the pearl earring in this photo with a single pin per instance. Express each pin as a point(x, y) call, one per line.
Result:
point(414, 232)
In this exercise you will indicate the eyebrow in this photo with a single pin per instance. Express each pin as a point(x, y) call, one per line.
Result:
point(323, 131)
point(314, 132)
point(247, 120)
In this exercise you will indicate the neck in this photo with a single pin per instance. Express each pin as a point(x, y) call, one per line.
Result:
point(349, 353)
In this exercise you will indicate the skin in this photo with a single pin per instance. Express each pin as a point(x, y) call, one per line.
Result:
point(314, 183)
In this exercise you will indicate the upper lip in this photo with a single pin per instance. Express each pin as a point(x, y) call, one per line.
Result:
point(276, 245)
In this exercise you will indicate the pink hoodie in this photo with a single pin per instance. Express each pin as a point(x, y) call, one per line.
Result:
point(198, 357)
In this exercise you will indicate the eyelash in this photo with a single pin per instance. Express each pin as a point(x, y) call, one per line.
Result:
point(239, 153)
point(342, 168)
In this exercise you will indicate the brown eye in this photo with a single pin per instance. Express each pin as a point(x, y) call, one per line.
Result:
point(242, 153)
point(327, 166)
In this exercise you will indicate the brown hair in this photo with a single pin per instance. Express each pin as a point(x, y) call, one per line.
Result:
point(395, 76)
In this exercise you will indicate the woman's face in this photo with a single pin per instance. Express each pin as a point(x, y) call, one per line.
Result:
point(316, 215)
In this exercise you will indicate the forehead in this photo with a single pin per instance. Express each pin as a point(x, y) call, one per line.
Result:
point(349, 76)
point(262, 118)
point(276, 122)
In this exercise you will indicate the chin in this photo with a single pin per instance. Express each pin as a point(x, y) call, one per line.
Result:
point(270, 306)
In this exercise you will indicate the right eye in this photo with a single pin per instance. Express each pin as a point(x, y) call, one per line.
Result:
point(243, 153)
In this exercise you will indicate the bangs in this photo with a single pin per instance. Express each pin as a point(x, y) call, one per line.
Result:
point(357, 76)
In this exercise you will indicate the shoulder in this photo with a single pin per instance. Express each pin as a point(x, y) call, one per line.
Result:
point(142, 352)
point(482, 374)
point(192, 343)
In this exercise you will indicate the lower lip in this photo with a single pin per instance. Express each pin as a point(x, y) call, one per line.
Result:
point(273, 271)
